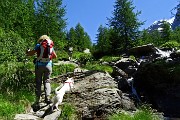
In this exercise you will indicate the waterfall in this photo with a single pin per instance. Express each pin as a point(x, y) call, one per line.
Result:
point(131, 82)
point(164, 54)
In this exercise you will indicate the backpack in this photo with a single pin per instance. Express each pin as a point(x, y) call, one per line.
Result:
point(44, 53)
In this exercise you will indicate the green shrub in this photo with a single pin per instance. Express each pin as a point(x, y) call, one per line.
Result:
point(15, 77)
point(132, 57)
point(144, 113)
point(110, 58)
point(82, 58)
point(68, 112)
point(12, 47)
point(171, 44)
point(97, 66)
point(62, 69)
point(61, 55)
point(13, 103)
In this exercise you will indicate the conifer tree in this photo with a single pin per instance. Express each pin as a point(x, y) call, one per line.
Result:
point(71, 37)
point(103, 43)
point(82, 38)
point(125, 23)
point(50, 20)
point(166, 32)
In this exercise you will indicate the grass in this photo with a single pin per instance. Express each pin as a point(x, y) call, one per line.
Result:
point(97, 66)
point(14, 103)
point(62, 69)
point(68, 112)
point(143, 113)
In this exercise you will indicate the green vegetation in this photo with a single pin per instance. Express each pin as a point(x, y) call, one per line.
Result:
point(15, 77)
point(110, 58)
point(62, 69)
point(47, 17)
point(171, 44)
point(98, 67)
point(144, 113)
point(82, 58)
point(12, 103)
point(68, 112)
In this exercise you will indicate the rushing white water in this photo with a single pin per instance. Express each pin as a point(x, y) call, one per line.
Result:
point(164, 54)
point(130, 82)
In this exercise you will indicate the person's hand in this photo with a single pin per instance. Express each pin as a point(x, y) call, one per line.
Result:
point(27, 50)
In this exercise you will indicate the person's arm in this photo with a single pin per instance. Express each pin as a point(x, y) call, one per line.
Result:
point(30, 53)
point(54, 55)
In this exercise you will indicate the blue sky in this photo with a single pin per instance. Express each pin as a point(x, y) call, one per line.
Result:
point(93, 13)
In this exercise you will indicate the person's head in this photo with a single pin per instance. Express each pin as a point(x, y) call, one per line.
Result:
point(43, 37)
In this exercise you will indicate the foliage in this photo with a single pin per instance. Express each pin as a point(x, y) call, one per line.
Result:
point(99, 67)
point(78, 38)
point(50, 20)
point(61, 55)
point(68, 112)
point(110, 58)
point(132, 57)
point(144, 113)
point(15, 77)
point(125, 24)
point(13, 103)
point(15, 16)
point(171, 44)
point(175, 35)
point(82, 58)
point(103, 41)
point(144, 38)
point(166, 32)
point(62, 69)
point(12, 47)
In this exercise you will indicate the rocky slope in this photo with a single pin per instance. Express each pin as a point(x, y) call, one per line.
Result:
point(95, 96)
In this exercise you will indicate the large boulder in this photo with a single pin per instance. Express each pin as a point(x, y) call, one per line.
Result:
point(159, 83)
point(98, 96)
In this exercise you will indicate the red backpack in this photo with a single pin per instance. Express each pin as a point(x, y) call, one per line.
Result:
point(44, 53)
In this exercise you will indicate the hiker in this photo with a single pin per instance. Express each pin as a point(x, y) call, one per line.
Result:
point(70, 51)
point(43, 66)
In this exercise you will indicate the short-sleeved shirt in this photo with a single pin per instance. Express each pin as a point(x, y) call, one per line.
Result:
point(38, 63)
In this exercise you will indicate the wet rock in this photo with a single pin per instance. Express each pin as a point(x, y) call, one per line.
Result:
point(159, 82)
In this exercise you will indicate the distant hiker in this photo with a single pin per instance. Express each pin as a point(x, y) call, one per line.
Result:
point(43, 66)
point(70, 51)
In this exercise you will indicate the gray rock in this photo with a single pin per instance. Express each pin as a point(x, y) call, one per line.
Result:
point(53, 116)
point(26, 117)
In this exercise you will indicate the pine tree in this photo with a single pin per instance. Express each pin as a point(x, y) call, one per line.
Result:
point(125, 24)
point(71, 37)
point(144, 38)
point(83, 40)
point(50, 20)
point(103, 43)
point(166, 32)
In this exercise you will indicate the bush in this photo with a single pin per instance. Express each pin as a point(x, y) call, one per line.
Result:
point(15, 77)
point(110, 58)
point(82, 58)
point(97, 66)
point(62, 69)
point(68, 112)
point(61, 55)
point(13, 103)
point(144, 113)
point(171, 44)
point(12, 47)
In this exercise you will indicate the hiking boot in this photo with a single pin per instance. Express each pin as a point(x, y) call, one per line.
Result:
point(48, 100)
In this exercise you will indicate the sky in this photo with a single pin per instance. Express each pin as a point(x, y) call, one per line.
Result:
point(93, 13)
